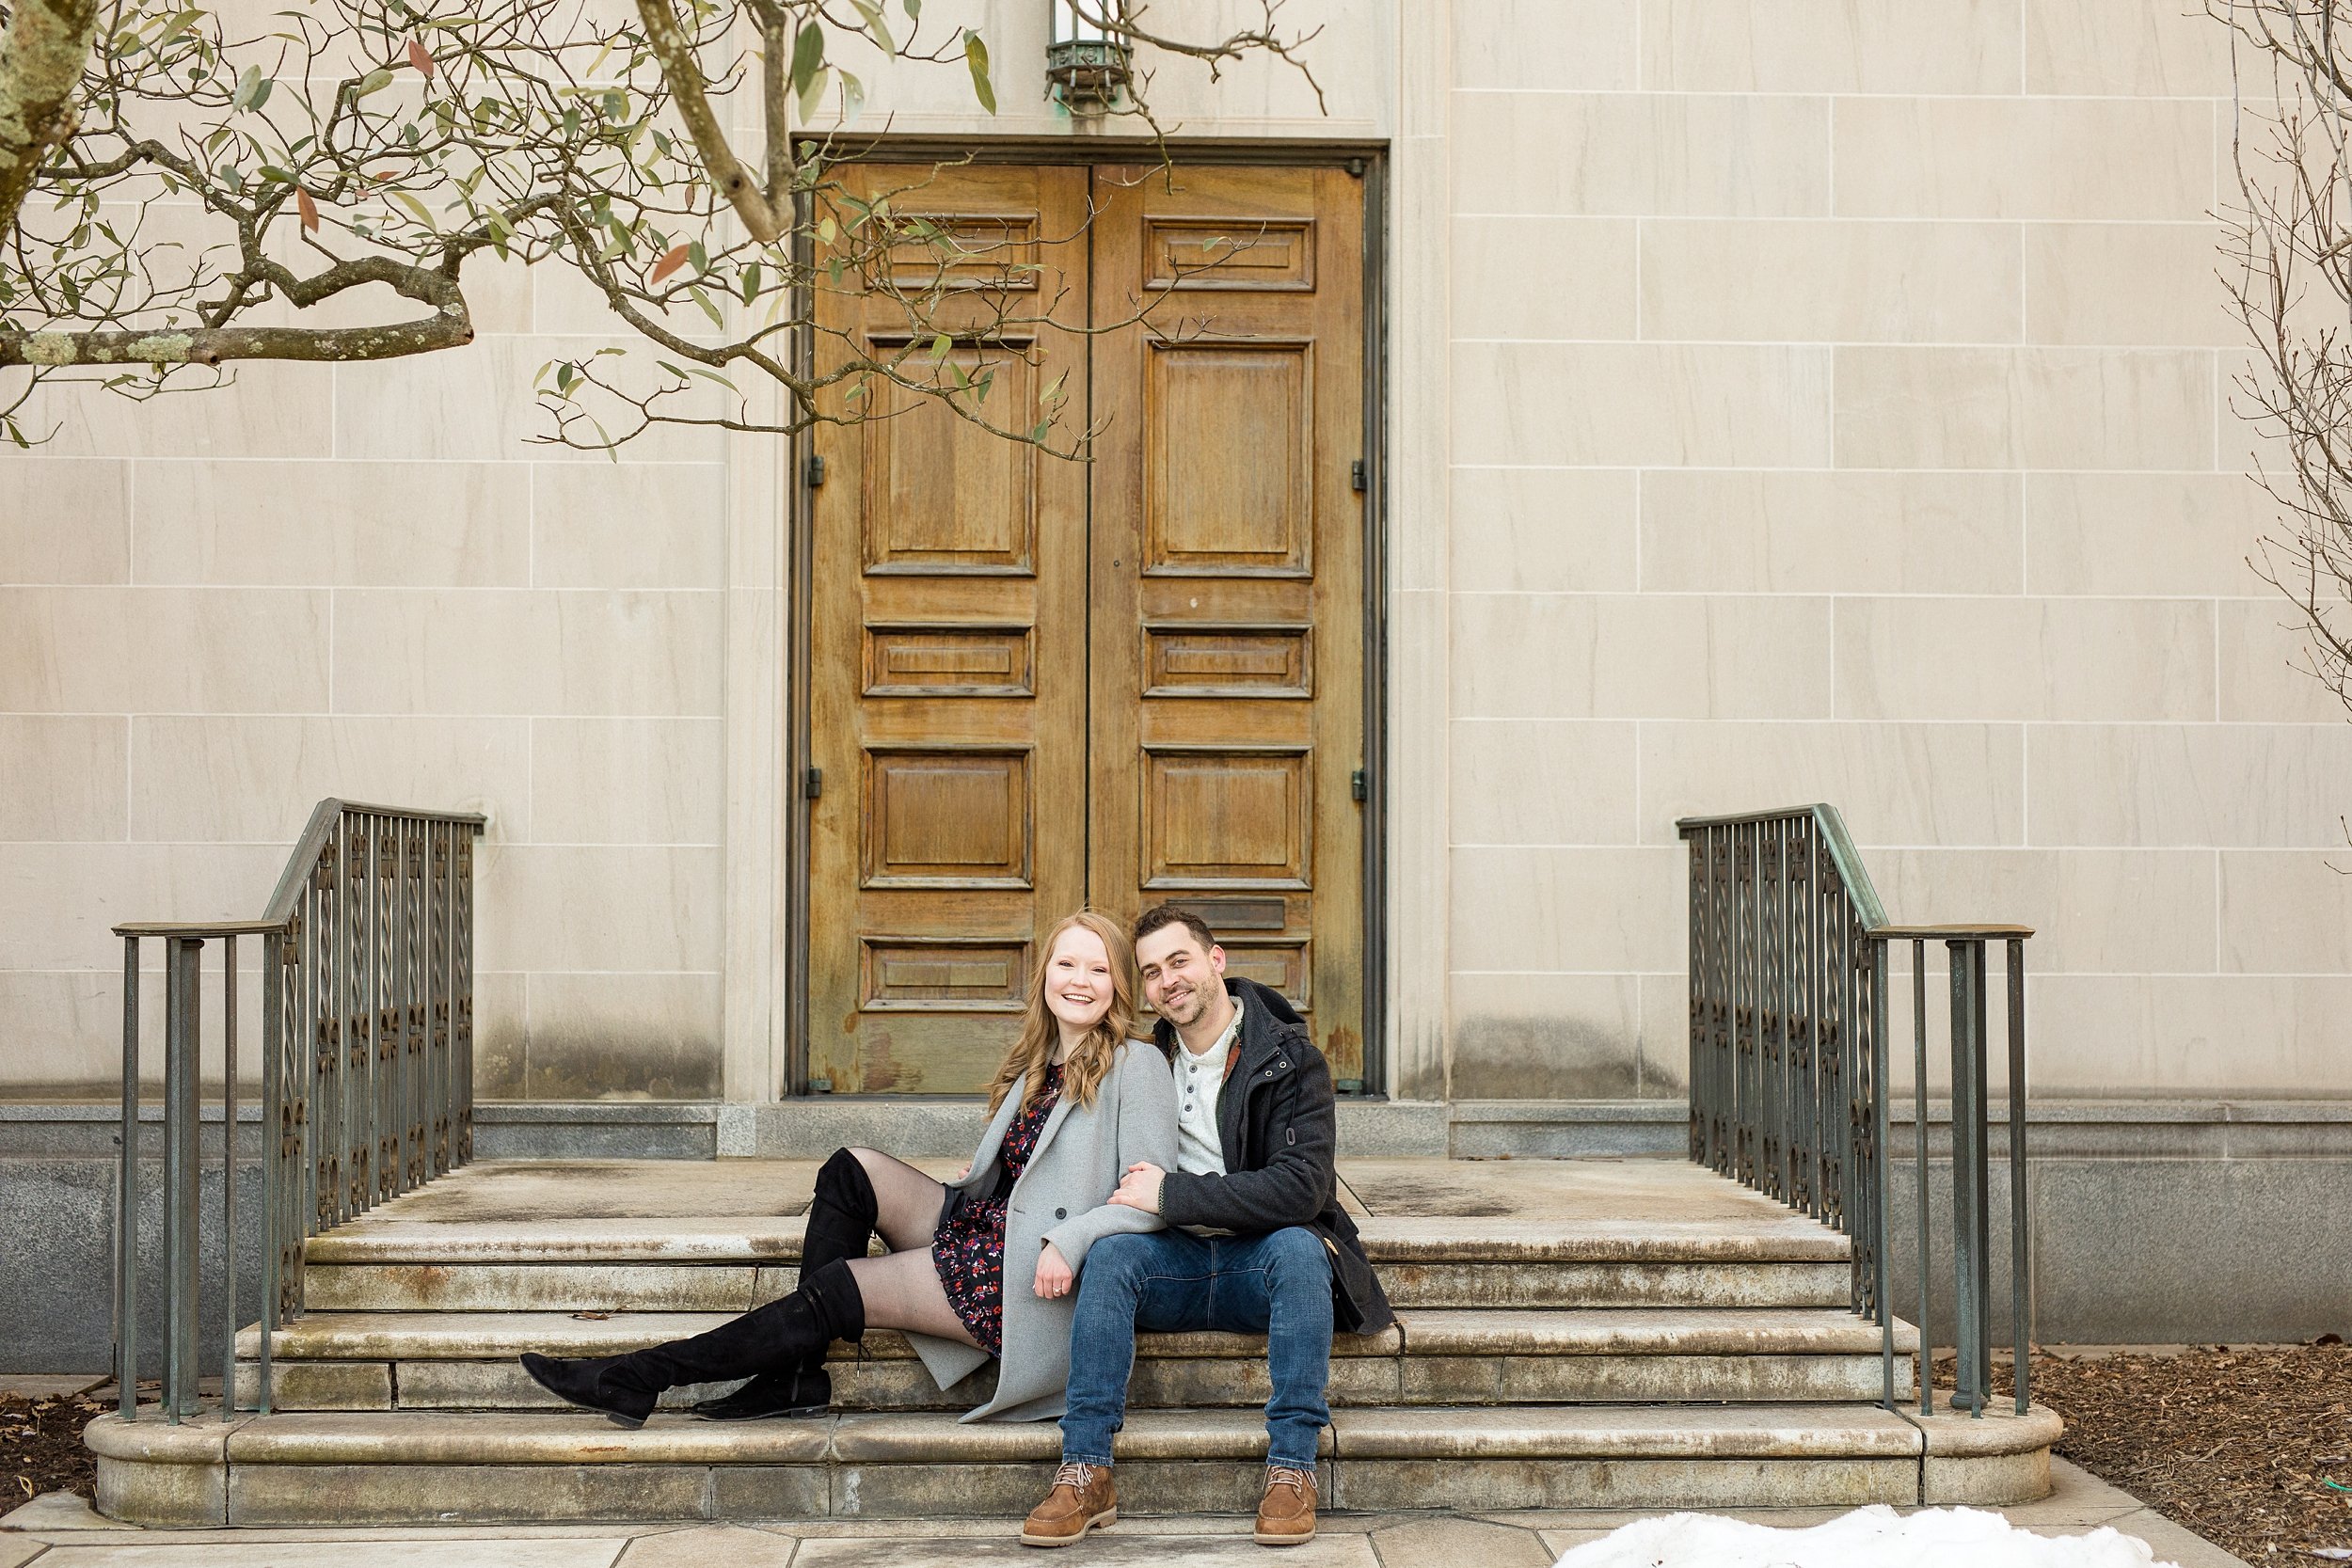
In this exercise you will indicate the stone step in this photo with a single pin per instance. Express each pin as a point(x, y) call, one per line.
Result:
point(466, 1360)
point(487, 1287)
point(415, 1468)
point(729, 1266)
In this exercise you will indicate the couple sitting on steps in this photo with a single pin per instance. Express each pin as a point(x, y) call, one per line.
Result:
point(1116, 1188)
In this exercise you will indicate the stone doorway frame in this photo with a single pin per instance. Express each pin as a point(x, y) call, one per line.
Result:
point(1405, 854)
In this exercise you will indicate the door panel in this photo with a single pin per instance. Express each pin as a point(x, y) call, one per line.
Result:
point(949, 652)
point(1037, 682)
point(1227, 581)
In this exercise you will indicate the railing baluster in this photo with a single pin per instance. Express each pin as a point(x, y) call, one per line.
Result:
point(229, 1169)
point(1881, 1171)
point(182, 986)
point(1919, 1129)
point(273, 1148)
point(127, 1196)
point(1982, 1206)
point(2020, 1269)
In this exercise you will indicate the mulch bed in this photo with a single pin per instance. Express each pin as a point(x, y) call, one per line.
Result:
point(2240, 1445)
point(40, 1446)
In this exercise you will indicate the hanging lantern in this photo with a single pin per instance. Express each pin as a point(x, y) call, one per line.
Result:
point(1086, 62)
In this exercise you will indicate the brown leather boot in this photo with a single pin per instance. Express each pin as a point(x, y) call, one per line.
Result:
point(1084, 1497)
point(1287, 1514)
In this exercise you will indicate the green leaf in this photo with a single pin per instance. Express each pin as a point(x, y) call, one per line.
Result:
point(750, 282)
point(915, 10)
point(825, 231)
point(1037, 434)
point(875, 24)
point(808, 52)
point(940, 345)
point(414, 206)
point(702, 298)
point(853, 98)
point(374, 80)
point(1053, 390)
point(812, 96)
point(976, 55)
point(248, 84)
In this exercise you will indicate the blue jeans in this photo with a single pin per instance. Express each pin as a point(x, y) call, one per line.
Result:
point(1174, 1282)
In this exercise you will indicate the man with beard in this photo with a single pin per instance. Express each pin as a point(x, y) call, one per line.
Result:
point(1255, 1243)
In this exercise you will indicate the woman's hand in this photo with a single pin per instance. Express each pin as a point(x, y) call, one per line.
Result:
point(1054, 1278)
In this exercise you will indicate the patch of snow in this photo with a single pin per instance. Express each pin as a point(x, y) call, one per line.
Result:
point(1875, 1537)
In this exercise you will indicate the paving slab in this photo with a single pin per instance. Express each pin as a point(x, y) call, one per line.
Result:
point(16, 1550)
point(34, 1385)
point(1460, 1544)
point(711, 1547)
point(58, 1510)
point(1111, 1546)
point(470, 1550)
point(1557, 1542)
point(2076, 1498)
point(2170, 1542)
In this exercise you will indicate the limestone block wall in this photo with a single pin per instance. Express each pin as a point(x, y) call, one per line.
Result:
point(362, 580)
point(1787, 399)
point(1842, 412)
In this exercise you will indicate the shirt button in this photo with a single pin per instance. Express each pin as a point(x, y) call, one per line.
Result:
point(1061, 1213)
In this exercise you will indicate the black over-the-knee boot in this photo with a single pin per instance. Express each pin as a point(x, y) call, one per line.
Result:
point(842, 1213)
point(826, 1308)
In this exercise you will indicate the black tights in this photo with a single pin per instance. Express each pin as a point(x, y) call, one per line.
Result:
point(902, 1290)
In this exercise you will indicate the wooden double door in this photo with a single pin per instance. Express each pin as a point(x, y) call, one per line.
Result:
point(1039, 684)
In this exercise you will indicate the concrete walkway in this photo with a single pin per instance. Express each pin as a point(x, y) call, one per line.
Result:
point(59, 1530)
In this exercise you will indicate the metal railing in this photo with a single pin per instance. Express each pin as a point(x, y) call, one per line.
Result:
point(367, 1070)
point(1788, 1069)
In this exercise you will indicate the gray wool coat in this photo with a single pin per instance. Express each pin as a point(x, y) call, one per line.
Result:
point(1059, 1197)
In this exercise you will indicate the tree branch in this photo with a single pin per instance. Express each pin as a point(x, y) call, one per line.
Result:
point(42, 56)
point(450, 325)
point(674, 51)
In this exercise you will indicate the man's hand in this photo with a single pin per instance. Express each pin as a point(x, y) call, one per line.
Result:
point(1141, 1187)
point(1053, 1272)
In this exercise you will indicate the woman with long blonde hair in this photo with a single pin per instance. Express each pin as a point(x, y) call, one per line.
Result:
point(985, 1265)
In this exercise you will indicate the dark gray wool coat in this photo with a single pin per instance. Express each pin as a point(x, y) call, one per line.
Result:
point(1279, 1129)
point(1061, 1197)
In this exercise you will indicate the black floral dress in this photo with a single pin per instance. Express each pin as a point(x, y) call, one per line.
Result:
point(968, 1249)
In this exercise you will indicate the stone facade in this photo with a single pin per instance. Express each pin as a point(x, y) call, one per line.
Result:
point(1825, 400)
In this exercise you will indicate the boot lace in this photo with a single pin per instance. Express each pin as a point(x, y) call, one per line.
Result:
point(1297, 1480)
point(1074, 1475)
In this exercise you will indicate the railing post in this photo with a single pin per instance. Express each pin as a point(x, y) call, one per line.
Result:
point(1919, 1130)
point(1979, 1055)
point(2020, 1270)
point(1964, 1258)
point(127, 1197)
point(229, 1173)
point(274, 953)
point(182, 981)
point(1882, 1170)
